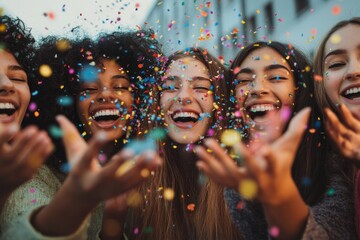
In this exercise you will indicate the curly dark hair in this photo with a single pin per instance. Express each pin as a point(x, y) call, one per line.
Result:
point(137, 52)
point(16, 39)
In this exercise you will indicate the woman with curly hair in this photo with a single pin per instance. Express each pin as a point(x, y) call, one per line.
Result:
point(109, 83)
point(21, 152)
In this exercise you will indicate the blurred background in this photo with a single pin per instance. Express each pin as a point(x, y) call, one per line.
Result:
point(221, 26)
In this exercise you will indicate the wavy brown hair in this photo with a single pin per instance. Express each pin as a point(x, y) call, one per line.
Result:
point(162, 219)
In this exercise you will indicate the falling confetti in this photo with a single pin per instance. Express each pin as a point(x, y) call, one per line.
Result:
point(230, 137)
point(248, 188)
point(336, 10)
point(169, 194)
point(45, 70)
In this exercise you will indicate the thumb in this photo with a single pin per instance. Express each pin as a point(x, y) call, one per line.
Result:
point(74, 144)
point(292, 137)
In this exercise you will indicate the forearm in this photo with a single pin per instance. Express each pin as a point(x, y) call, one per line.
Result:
point(289, 216)
point(63, 215)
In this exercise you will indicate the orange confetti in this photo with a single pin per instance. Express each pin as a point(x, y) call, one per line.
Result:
point(313, 31)
point(336, 10)
point(191, 207)
point(318, 77)
point(204, 14)
point(312, 130)
point(140, 65)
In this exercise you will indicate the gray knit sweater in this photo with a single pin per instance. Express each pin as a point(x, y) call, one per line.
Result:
point(332, 217)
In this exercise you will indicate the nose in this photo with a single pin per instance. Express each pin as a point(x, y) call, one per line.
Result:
point(185, 95)
point(353, 71)
point(6, 85)
point(258, 87)
point(105, 95)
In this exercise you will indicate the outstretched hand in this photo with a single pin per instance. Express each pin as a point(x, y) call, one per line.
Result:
point(22, 156)
point(269, 167)
point(94, 183)
point(346, 134)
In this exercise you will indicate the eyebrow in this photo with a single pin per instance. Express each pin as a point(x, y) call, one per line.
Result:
point(16, 68)
point(120, 77)
point(267, 68)
point(338, 52)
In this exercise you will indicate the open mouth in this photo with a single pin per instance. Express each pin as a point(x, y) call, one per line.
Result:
point(7, 109)
point(185, 117)
point(257, 112)
point(351, 93)
point(106, 115)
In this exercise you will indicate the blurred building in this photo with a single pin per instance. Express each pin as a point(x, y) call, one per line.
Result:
point(224, 26)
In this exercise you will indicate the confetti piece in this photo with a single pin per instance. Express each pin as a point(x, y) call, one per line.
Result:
point(124, 168)
point(248, 188)
point(274, 231)
point(32, 107)
point(336, 10)
point(89, 74)
point(335, 39)
point(318, 77)
point(2, 27)
point(55, 131)
point(64, 101)
point(230, 137)
point(169, 194)
point(191, 207)
point(240, 205)
point(204, 14)
point(330, 192)
point(45, 70)
point(134, 199)
point(281, 19)
point(63, 45)
point(32, 190)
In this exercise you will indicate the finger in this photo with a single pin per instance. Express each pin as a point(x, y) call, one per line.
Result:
point(117, 160)
point(221, 156)
point(349, 119)
point(214, 165)
point(74, 144)
point(6, 133)
point(292, 137)
point(89, 157)
point(336, 125)
point(223, 180)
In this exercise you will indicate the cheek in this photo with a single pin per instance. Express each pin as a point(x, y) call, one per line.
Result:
point(332, 82)
point(206, 101)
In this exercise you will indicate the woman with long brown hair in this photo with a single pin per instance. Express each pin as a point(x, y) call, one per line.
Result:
point(176, 205)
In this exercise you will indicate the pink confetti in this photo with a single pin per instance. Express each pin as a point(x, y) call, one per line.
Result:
point(274, 232)
point(281, 19)
point(32, 190)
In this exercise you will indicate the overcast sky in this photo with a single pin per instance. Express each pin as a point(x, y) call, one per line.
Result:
point(47, 17)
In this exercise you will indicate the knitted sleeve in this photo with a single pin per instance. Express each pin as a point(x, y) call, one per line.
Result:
point(24, 201)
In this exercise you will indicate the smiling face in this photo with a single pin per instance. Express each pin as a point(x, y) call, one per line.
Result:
point(187, 100)
point(105, 104)
point(342, 68)
point(14, 90)
point(265, 84)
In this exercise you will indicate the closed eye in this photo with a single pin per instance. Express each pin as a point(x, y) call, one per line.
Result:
point(336, 65)
point(277, 77)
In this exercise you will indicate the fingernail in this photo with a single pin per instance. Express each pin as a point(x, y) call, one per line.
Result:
point(149, 156)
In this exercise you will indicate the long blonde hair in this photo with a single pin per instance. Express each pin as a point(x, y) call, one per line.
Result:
point(176, 219)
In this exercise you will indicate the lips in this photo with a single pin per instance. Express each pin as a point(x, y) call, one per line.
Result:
point(108, 117)
point(185, 119)
point(257, 111)
point(8, 111)
point(351, 92)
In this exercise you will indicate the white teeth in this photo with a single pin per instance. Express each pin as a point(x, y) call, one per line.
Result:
point(107, 112)
point(185, 114)
point(352, 90)
point(262, 107)
point(7, 106)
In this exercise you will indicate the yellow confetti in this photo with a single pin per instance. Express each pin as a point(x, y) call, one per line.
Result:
point(335, 39)
point(169, 194)
point(63, 45)
point(243, 22)
point(126, 166)
point(248, 188)
point(134, 199)
point(45, 70)
point(230, 137)
point(2, 27)
point(257, 11)
point(145, 173)
point(307, 68)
